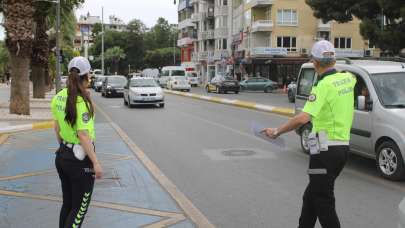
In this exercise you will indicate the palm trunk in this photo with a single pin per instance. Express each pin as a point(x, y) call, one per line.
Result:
point(20, 90)
point(18, 16)
point(40, 56)
point(38, 81)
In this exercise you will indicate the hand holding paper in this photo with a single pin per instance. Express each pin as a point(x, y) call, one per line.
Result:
point(259, 131)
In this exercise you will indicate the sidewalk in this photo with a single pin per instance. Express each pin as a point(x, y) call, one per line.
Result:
point(129, 196)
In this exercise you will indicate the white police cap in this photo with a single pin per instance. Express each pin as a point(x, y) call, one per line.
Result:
point(80, 63)
point(323, 50)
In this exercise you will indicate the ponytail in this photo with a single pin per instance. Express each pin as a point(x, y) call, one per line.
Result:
point(76, 88)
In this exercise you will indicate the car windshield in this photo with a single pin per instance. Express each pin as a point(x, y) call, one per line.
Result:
point(143, 83)
point(390, 88)
point(117, 81)
point(178, 73)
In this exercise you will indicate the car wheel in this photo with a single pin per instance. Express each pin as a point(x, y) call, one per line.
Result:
point(236, 92)
point(125, 101)
point(242, 88)
point(188, 91)
point(304, 134)
point(266, 90)
point(102, 94)
point(161, 105)
point(291, 97)
point(390, 162)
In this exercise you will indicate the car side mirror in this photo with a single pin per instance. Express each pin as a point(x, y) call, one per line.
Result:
point(361, 102)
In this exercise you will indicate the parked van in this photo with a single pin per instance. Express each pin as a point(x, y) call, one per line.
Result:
point(378, 130)
point(169, 71)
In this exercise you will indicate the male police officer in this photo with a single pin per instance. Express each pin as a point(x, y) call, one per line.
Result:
point(330, 108)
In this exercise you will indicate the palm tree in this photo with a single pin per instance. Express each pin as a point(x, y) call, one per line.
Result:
point(44, 17)
point(19, 36)
point(114, 55)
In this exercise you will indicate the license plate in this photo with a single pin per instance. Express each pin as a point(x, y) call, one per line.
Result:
point(148, 99)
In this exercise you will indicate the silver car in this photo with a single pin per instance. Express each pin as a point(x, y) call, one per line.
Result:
point(378, 130)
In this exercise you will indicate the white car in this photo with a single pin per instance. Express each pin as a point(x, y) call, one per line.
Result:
point(143, 91)
point(170, 71)
point(178, 83)
point(192, 78)
point(63, 81)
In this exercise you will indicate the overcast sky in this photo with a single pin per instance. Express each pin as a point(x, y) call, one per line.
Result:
point(146, 10)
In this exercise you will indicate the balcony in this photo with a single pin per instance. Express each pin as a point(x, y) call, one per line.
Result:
point(268, 51)
point(322, 27)
point(186, 23)
point(207, 35)
point(221, 33)
point(221, 54)
point(262, 26)
point(261, 3)
point(221, 11)
point(198, 16)
point(185, 42)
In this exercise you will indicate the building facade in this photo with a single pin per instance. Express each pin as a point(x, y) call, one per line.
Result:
point(268, 38)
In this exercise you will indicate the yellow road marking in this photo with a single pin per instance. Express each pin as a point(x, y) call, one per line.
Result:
point(42, 125)
point(24, 175)
point(189, 209)
point(170, 218)
point(3, 138)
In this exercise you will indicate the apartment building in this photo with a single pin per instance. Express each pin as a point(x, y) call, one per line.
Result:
point(85, 24)
point(205, 35)
point(272, 38)
point(268, 38)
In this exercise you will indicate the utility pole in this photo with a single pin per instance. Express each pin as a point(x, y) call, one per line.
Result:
point(174, 49)
point(58, 57)
point(102, 40)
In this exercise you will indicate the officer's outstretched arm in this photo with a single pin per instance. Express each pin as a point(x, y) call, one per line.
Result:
point(292, 124)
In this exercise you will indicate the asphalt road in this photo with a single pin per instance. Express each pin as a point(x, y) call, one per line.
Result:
point(274, 99)
point(238, 180)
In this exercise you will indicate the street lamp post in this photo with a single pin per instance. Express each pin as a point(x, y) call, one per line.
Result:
point(58, 57)
point(102, 40)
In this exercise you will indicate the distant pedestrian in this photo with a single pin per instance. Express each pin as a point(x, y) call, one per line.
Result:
point(76, 160)
point(330, 108)
point(8, 81)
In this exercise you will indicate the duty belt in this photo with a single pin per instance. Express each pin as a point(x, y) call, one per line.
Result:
point(337, 143)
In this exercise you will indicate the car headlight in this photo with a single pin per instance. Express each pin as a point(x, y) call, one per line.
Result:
point(109, 87)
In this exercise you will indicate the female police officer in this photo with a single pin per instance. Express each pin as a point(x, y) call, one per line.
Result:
point(330, 108)
point(76, 161)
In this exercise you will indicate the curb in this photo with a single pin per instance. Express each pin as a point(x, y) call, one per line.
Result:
point(27, 127)
point(238, 103)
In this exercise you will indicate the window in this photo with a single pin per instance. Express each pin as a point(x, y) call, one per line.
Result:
point(225, 44)
point(287, 17)
point(343, 42)
point(287, 42)
point(305, 82)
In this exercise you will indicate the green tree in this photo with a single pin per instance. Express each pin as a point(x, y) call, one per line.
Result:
point(4, 58)
point(388, 36)
point(114, 55)
point(160, 57)
point(97, 29)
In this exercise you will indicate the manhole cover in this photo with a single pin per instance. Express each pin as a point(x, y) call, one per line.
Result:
point(238, 153)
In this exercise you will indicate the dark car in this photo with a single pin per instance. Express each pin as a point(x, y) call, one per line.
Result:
point(221, 84)
point(113, 86)
point(259, 84)
point(98, 83)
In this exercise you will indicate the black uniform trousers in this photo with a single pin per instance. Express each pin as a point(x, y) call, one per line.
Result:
point(319, 197)
point(77, 178)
